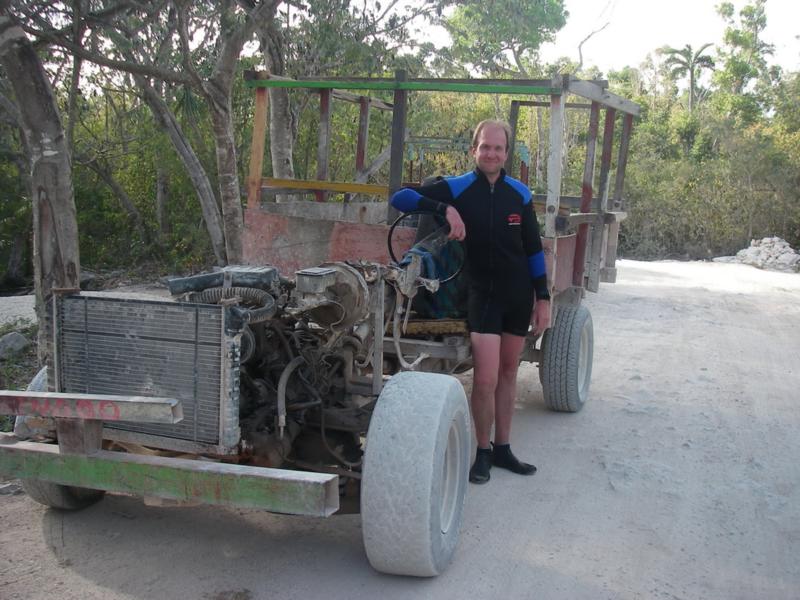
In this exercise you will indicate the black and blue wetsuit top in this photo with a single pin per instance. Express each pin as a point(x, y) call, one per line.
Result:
point(504, 247)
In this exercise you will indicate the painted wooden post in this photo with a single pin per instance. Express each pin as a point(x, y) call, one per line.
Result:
point(257, 149)
point(609, 272)
point(554, 163)
point(600, 231)
point(513, 119)
point(363, 134)
point(323, 146)
point(398, 143)
point(523, 172)
point(587, 193)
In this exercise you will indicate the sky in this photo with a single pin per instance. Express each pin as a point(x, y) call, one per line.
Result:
point(638, 27)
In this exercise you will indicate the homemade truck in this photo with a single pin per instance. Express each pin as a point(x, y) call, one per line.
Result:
point(314, 389)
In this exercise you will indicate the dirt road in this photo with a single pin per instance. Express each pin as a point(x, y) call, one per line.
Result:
point(680, 479)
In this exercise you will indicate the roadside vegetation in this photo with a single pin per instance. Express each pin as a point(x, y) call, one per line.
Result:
point(714, 158)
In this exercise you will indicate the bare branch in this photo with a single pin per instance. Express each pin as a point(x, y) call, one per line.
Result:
point(586, 39)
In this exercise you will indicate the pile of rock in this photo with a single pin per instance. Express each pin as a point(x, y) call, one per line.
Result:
point(771, 253)
point(12, 343)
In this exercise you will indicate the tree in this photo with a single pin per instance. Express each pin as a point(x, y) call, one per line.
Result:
point(685, 61)
point(55, 229)
point(176, 43)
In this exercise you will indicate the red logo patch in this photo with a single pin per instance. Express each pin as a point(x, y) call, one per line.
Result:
point(514, 219)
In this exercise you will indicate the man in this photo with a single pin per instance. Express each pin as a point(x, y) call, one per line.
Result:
point(493, 214)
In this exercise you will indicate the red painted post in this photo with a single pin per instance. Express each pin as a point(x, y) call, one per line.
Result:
point(323, 146)
point(523, 172)
point(363, 134)
point(587, 193)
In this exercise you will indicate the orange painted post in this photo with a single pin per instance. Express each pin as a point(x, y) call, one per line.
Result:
point(257, 148)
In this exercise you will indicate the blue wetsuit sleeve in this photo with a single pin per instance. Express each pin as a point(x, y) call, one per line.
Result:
point(435, 197)
point(532, 243)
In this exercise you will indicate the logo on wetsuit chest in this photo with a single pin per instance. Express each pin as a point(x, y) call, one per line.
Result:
point(514, 219)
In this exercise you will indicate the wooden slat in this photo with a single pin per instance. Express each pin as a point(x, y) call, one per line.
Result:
point(591, 91)
point(324, 142)
point(328, 186)
point(362, 137)
point(104, 407)
point(257, 147)
point(541, 103)
point(397, 143)
point(356, 99)
point(587, 193)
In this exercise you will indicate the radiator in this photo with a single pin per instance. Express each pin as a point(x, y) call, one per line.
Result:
point(153, 348)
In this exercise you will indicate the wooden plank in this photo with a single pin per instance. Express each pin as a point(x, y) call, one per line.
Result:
point(257, 148)
point(78, 436)
point(324, 141)
point(513, 119)
point(362, 138)
point(328, 186)
point(104, 407)
point(554, 165)
point(609, 273)
point(590, 218)
point(587, 193)
point(592, 91)
point(475, 86)
point(541, 103)
point(398, 143)
point(221, 484)
point(357, 99)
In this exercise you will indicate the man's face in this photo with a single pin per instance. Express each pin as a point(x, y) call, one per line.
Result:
point(490, 154)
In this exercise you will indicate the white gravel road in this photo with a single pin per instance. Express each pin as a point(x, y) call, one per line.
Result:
point(679, 480)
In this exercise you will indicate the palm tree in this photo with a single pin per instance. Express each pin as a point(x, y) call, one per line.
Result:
point(685, 61)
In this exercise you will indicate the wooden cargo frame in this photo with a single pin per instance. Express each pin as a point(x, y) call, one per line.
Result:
point(582, 262)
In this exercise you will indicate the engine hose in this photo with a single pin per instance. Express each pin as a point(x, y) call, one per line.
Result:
point(282, 382)
point(264, 300)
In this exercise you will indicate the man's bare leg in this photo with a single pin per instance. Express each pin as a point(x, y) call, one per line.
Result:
point(506, 392)
point(505, 395)
point(486, 361)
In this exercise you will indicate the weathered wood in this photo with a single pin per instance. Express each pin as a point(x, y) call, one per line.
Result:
point(606, 218)
point(587, 192)
point(397, 143)
point(356, 99)
point(105, 407)
point(257, 148)
point(362, 137)
point(609, 273)
point(554, 164)
point(327, 186)
point(591, 91)
point(324, 142)
point(541, 103)
point(513, 120)
point(221, 484)
point(79, 436)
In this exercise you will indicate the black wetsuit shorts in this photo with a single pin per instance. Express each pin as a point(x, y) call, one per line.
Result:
point(500, 311)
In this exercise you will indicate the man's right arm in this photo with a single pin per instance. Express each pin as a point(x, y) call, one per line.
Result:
point(437, 198)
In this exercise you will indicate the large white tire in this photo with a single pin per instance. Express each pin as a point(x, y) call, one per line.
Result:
point(65, 497)
point(415, 474)
point(566, 367)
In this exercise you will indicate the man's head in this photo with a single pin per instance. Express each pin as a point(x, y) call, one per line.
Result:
point(490, 146)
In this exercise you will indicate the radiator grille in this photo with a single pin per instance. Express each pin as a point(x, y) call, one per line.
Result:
point(147, 348)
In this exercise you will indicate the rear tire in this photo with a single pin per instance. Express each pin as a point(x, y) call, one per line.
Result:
point(415, 474)
point(64, 497)
point(566, 367)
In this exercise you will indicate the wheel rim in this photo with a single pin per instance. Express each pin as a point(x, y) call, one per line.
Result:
point(451, 473)
point(583, 362)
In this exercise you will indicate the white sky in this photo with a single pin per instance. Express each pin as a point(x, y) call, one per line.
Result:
point(638, 27)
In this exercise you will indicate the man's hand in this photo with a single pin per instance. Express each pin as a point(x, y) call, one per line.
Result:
point(540, 319)
point(457, 229)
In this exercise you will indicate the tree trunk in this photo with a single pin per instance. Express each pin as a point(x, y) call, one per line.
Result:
point(205, 193)
point(124, 199)
point(162, 194)
point(56, 260)
point(229, 192)
point(281, 139)
point(541, 135)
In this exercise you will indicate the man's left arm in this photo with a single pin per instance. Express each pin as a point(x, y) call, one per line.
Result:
point(532, 243)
